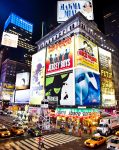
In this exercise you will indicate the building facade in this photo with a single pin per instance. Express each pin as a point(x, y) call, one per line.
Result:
point(24, 29)
point(8, 78)
point(74, 32)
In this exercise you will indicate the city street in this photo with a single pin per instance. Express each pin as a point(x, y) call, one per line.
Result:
point(53, 142)
point(57, 141)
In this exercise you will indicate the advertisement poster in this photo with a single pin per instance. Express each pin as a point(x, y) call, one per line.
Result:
point(107, 85)
point(67, 9)
point(9, 39)
point(60, 56)
point(22, 80)
point(22, 96)
point(87, 87)
point(37, 78)
point(61, 87)
point(86, 53)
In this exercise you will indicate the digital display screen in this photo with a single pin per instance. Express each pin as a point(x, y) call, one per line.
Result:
point(37, 92)
point(60, 56)
point(60, 87)
point(87, 87)
point(107, 84)
point(22, 96)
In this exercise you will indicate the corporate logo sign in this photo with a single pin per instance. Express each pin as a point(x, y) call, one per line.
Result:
point(61, 88)
point(60, 56)
point(86, 53)
point(107, 85)
point(37, 78)
point(87, 87)
point(67, 9)
point(9, 39)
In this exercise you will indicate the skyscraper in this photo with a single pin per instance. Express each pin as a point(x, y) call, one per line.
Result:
point(24, 29)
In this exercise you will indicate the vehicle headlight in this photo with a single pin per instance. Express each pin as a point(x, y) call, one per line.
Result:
point(92, 144)
point(2, 134)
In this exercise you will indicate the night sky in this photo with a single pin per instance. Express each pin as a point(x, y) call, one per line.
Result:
point(36, 11)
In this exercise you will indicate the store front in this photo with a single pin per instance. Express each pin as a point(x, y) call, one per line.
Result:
point(77, 117)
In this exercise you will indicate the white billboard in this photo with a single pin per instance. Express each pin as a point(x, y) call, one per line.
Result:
point(37, 90)
point(9, 39)
point(22, 96)
point(66, 9)
point(22, 80)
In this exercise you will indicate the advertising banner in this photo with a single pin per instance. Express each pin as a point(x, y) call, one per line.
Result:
point(9, 39)
point(22, 80)
point(7, 95)
point(107, 85)
point(86, 53)
point(87, 87)
point(37, 78)
point(67, 9)
point(60, 87)
point(60, 56)
point(22, 96)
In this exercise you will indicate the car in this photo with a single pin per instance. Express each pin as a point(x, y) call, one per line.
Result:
point(95, 141)
point(22, 125)
point(16, 120)
point(2, 126)
point(17, 130)
point(34, 132)
point(117, 133)
point(113, 143)
point(4, 132)
point(1, 112)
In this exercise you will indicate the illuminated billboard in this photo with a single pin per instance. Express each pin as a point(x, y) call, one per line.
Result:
point(9, 39)
point(107, 85)
point(37, 78)
point(7, 95)
point(22, 80)
point(60, 56)
point(61, 88)
point(87, 87)
point(67, 9)
point(86, 53)
point(22, 96)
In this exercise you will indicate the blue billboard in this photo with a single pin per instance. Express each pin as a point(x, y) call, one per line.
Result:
point(20, 22)
point(87, 87)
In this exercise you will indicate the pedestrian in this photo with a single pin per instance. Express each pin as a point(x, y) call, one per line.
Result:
point(79, 132)
point(41, 142)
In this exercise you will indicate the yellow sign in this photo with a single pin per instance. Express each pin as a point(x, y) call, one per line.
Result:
point(86, 53)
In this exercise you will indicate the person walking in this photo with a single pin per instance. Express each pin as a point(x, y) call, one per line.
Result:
point(41, 142)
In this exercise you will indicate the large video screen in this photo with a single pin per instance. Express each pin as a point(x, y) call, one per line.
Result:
point(22, 96)
point(67, 9)
point(107, 85)
point(86, 53)
point(87, 87)
point(61, 88)
point(22, 80)
point(37, 78)
point(60, 56)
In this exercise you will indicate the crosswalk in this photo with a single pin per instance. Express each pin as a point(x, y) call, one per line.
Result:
point(50, 141)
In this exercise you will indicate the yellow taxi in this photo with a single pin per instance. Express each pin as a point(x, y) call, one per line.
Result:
point(95, 141)
point(4, 132)
point(17, 130)
point(117, 133)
